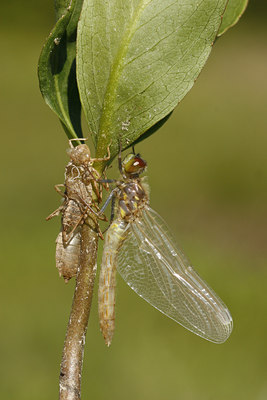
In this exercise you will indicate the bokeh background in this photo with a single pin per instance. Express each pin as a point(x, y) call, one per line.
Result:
point(208, 178)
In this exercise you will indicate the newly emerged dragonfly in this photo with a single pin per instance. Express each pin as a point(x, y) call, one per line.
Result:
point(139, 245)
point(81, 179)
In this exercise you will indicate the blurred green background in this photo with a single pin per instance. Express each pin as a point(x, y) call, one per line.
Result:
point(208, 178)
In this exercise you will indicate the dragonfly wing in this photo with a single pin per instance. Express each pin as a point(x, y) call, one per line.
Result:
point(156, 269)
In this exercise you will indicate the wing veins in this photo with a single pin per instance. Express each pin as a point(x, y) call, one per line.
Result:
point(165, 279)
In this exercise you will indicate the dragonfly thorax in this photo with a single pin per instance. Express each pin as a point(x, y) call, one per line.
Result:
point(132, 199)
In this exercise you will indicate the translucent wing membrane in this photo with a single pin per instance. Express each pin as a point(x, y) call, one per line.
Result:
point(153, 266)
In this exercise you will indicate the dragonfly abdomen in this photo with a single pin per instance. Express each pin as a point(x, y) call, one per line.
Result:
point(107, 279)
point(67, 257)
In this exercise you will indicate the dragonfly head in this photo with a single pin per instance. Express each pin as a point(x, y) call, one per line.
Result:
point(133, 165)
point(80, 154)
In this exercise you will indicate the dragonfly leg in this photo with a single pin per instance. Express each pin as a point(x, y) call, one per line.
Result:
point(97, 190)
point(106, 180)
point(68, 236)
point(75, 140)
point(55, 213)
point(119, 158)
point(110, 197)
point(58, 190)
point(105, 185)
point(100, 234)
point(112, 214)
point(103, 158)
point(59, 209)
point(103, 218)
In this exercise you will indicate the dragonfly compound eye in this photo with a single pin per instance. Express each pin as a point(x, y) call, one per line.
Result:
point(80, 154)
point(133, 164)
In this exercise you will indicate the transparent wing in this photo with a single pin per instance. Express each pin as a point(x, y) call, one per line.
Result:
point(153, 266)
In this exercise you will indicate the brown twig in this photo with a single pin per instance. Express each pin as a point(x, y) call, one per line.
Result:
point(72, 358)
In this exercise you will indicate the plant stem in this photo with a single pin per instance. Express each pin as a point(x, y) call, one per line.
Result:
point(72, 358)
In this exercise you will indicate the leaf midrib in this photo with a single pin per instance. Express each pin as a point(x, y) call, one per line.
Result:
point(61, 105)
point(105, 123)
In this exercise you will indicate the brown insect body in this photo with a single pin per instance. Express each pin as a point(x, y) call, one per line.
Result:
point(67, 257)
point(78, 207)
point(132, 197)
point(78, 195)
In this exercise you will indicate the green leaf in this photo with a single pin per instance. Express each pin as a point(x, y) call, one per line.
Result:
point(137, 59)
point(152, 130)
point(233, 12)
point(61, 7)
point(57, 68)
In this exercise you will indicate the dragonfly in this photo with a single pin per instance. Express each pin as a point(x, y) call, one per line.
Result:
point(140, 246)
point(81, 179)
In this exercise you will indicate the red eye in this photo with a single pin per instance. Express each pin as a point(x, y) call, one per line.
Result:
point(139, 162)
point(133, 164)
point(136, 166)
